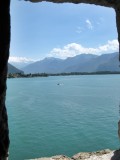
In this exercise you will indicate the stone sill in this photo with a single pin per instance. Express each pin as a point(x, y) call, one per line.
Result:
point(99, 155)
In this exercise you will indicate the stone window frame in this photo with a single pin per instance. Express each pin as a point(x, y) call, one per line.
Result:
point(4, 55)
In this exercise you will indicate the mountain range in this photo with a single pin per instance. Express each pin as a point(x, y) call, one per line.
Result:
point(79, 63)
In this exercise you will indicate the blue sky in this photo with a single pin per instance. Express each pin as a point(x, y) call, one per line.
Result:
point(61, 30)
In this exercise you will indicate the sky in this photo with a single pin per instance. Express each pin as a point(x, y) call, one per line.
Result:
point(45, 29)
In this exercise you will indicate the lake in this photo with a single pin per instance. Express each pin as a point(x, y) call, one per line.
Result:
point(62, 115)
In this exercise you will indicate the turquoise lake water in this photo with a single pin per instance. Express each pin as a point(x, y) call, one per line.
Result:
point(80, 114)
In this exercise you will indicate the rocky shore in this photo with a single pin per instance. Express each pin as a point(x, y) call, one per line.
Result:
point(99, 155)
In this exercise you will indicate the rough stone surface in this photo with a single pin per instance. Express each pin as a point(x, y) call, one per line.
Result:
point(4, 54)
point(106, 3)
point(58, 157)
point(92, 155)
point(99, 155)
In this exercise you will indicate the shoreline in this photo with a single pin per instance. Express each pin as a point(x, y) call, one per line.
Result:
point(30, 75)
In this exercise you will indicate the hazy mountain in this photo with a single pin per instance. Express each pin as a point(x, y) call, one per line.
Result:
point(20, 65)
point(94, 64)
point(12, 69)
point(47, 65)
point(110, 65)
point(71, 64)
point(79, 63)
point(56, 65)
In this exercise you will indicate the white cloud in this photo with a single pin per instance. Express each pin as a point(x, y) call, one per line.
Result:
point(89, 24)
point(74, 49)
point(71, 50)
point(14, 59)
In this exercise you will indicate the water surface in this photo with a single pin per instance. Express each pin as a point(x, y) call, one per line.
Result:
point(46, 119)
